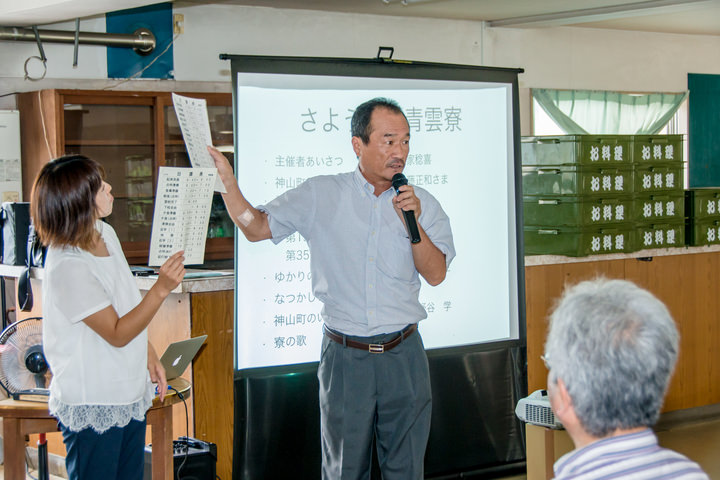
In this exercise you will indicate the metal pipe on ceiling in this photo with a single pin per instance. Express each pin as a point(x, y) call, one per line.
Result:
point(142, 40)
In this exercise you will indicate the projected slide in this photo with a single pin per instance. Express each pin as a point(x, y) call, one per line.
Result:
point(290, 128)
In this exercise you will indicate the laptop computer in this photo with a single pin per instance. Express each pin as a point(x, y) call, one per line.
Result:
point(178, 356)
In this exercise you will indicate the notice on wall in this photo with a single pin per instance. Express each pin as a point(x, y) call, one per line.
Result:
point(182, 213)
point(195, 126)
point(10, 172)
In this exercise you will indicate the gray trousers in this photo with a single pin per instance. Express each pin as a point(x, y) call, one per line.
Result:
point(381, 396)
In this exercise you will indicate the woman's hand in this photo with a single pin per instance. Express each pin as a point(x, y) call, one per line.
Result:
point(171, 273)
point(157, 371)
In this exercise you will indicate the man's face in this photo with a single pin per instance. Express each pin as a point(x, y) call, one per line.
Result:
point(387, 150)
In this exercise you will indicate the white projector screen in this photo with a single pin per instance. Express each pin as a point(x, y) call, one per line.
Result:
point(292, 127)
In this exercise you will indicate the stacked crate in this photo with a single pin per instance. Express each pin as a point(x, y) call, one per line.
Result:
point(702, 207)
point(659, 200)
point(577, 194)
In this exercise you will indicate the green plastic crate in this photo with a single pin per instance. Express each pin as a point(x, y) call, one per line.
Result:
point(576, 210)
point(589, 150)
point(572, 180)
point(659, 206)
point(658, 178)
point(655, 149)
point(659, 235)
point(704, 231)
point(702, 202)
point(578, 241)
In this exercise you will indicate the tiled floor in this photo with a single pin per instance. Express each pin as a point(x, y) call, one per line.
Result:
point(698, 441)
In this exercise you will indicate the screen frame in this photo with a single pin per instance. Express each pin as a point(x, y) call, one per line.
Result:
point(401, 69)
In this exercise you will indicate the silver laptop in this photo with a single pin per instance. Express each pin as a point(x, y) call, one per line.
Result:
point(178, 356)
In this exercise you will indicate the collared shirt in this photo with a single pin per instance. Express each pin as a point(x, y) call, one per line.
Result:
point(360, 255)
point(634, 456)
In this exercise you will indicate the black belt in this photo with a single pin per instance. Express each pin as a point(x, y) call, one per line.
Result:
point(371, 347)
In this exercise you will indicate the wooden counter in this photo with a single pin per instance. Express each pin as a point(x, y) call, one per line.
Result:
point(685, 279)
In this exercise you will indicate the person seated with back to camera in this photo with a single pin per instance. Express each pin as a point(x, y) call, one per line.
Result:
point(610, 352)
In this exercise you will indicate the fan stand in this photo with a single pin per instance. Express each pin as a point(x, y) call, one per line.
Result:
point(43, 473)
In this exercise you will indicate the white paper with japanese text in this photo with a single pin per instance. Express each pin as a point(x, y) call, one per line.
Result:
point(182, 213)
point(195, 126)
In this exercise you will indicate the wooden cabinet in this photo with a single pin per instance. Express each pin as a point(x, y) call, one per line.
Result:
point(131, 134)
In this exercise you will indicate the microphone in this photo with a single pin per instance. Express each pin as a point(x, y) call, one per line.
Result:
point(398, 180)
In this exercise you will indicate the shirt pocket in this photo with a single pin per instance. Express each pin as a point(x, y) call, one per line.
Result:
point(395, 258)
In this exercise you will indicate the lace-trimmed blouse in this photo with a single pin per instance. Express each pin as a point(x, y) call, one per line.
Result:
point(94, 384)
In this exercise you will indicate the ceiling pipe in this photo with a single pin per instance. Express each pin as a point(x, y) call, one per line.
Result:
point(142, 40)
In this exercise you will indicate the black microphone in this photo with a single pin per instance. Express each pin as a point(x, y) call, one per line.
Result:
point(398, 181)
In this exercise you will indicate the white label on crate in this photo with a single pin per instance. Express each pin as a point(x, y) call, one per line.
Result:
point(659, 237)
point(607, 242)
point(647, 210)
point(620, 212)
point(669, 152)
point(710, 207)
point(647, 238)
point(658, 180)
point(670, 208)
point(606, 152)
point(607, 212)
point(711, 234)
point(595, 184)
point(647, 181)
point(619, 183)
point(670, 180)
point(658, 209)
point(607, 182)
point(595, 213)
point(646, 152)
point(618, 153)
point(594, 154)
point(657, 152)
point(670, 237)
point(595, 244)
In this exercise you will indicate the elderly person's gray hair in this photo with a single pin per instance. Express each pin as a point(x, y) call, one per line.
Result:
point(614, 345)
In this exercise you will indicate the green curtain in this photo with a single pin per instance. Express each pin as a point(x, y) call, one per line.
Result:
point(596, 112)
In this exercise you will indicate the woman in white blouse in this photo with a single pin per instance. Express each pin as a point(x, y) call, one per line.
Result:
point(95, 323)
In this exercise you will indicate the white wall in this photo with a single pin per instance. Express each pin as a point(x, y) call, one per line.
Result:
point(562, 57)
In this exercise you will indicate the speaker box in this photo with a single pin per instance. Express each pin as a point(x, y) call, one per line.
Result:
point(200, 459)
point(15, 221)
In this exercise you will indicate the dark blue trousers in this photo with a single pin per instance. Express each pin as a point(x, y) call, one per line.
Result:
point(116, 454)
point(380, 397)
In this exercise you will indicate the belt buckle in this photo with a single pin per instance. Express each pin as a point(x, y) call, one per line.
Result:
point(376, 348)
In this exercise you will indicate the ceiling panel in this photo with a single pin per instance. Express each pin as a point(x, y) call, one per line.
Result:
point(668, 16)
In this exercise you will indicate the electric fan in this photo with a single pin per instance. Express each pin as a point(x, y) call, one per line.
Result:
point(24, 373)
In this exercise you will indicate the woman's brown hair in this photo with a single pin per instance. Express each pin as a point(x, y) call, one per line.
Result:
point(63, 205)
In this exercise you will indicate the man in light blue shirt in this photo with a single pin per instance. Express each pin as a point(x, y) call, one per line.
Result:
point(373, 372)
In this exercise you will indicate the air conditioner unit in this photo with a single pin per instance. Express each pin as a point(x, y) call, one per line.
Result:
point(535, 409)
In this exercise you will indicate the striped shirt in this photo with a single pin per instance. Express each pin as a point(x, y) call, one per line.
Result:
point(635, 456)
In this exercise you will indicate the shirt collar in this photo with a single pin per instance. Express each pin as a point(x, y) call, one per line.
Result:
point(363, 185)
